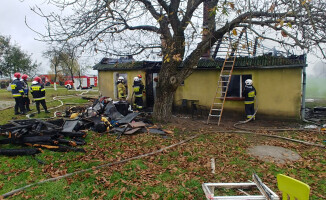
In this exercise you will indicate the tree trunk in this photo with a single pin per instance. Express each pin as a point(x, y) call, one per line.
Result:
point(55, 78)
point(163, 105)
point(167, 85)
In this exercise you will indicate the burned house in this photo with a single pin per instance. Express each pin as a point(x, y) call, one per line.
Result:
point(277, 79)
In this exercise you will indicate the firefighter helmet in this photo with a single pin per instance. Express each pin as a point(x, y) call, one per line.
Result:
point(248, 82)
point(136, 78)
point(140, 76)
point(17, 75)
point(24, 77)
point(120, 78)
point(38, 79)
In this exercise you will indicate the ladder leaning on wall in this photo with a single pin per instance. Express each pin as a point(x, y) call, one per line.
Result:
point(224, 81)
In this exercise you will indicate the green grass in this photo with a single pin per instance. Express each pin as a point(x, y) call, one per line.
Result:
point(72, 99)
point(175, 174)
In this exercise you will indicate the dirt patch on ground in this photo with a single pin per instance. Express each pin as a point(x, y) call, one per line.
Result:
point(6, 104)
point(194, 124)
point(273, 154)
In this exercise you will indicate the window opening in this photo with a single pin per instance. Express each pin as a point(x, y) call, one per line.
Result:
point(236, 85)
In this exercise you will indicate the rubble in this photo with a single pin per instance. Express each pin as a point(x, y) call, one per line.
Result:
point(68, 131)
point(52, 135)
point(316, 114)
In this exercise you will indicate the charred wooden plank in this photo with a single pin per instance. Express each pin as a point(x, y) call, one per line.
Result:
point(19, 152)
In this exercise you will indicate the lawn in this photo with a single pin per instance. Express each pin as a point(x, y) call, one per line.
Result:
point(175, 173)
point(69, 95)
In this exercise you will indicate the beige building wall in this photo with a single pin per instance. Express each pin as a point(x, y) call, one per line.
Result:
point(278, 91)
point(107, 82)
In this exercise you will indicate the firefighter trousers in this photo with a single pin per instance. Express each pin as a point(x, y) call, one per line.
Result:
point(139, 103)
point(43, 105)
point(26, 103)
point(19, 105)
point(250, 110)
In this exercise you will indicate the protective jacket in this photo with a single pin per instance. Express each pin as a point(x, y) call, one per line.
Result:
point(121, 90)
point(17, 88)
point(38, 91)
point(249, 93)
point(25, 87)
point(138, 89)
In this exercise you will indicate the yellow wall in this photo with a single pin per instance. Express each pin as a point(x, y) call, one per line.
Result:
point(278, 91)
point(106, 82)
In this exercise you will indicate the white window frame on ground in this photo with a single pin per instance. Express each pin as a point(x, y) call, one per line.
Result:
point(241, 81)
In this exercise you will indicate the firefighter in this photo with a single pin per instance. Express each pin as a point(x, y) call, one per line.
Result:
point(140, 78)
point(141, 82)
point(121, 89)
point(26, 100)
point(138, 91)
point(249, 93)
point(18, 93)
point(38, 92)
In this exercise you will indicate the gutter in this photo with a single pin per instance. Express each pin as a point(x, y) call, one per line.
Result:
point(303, 96)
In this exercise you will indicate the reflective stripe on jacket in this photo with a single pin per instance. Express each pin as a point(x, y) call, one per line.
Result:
point(138, 89)
point(25, 87)
point(249, 93)
point(38, 91)
point(17, 88)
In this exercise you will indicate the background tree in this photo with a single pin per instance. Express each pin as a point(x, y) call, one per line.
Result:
point(13, 59)
point(69, 62)
point(4, 46)
point(54, 55)
point(173, 29)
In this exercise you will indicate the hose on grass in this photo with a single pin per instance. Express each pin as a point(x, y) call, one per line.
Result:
point(274, 136)
point(246, 130)
point(236, 125)
point(8, 194)
point(59, 98)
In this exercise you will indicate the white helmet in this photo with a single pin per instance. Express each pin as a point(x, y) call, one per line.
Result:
point(136, 78)
point(248, 82)
point(120, 78)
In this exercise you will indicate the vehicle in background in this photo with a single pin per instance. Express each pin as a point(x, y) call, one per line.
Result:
point(47, 79)
point(82, 82)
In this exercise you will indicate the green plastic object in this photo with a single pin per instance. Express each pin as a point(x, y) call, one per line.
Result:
point(292, 188)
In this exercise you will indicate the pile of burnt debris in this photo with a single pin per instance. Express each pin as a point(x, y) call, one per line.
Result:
point(316, 114)
point(68, 130)
point(56, 135)
point(116, 117)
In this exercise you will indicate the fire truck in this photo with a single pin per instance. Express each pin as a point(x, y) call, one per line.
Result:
point(82, 82)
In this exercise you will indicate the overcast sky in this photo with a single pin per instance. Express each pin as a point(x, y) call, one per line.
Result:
point(12, 23)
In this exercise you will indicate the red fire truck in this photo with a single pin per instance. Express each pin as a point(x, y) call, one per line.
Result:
point(82, 82)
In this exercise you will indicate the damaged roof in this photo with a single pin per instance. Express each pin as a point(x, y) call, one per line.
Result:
point(259, 62)
point(103, 66)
